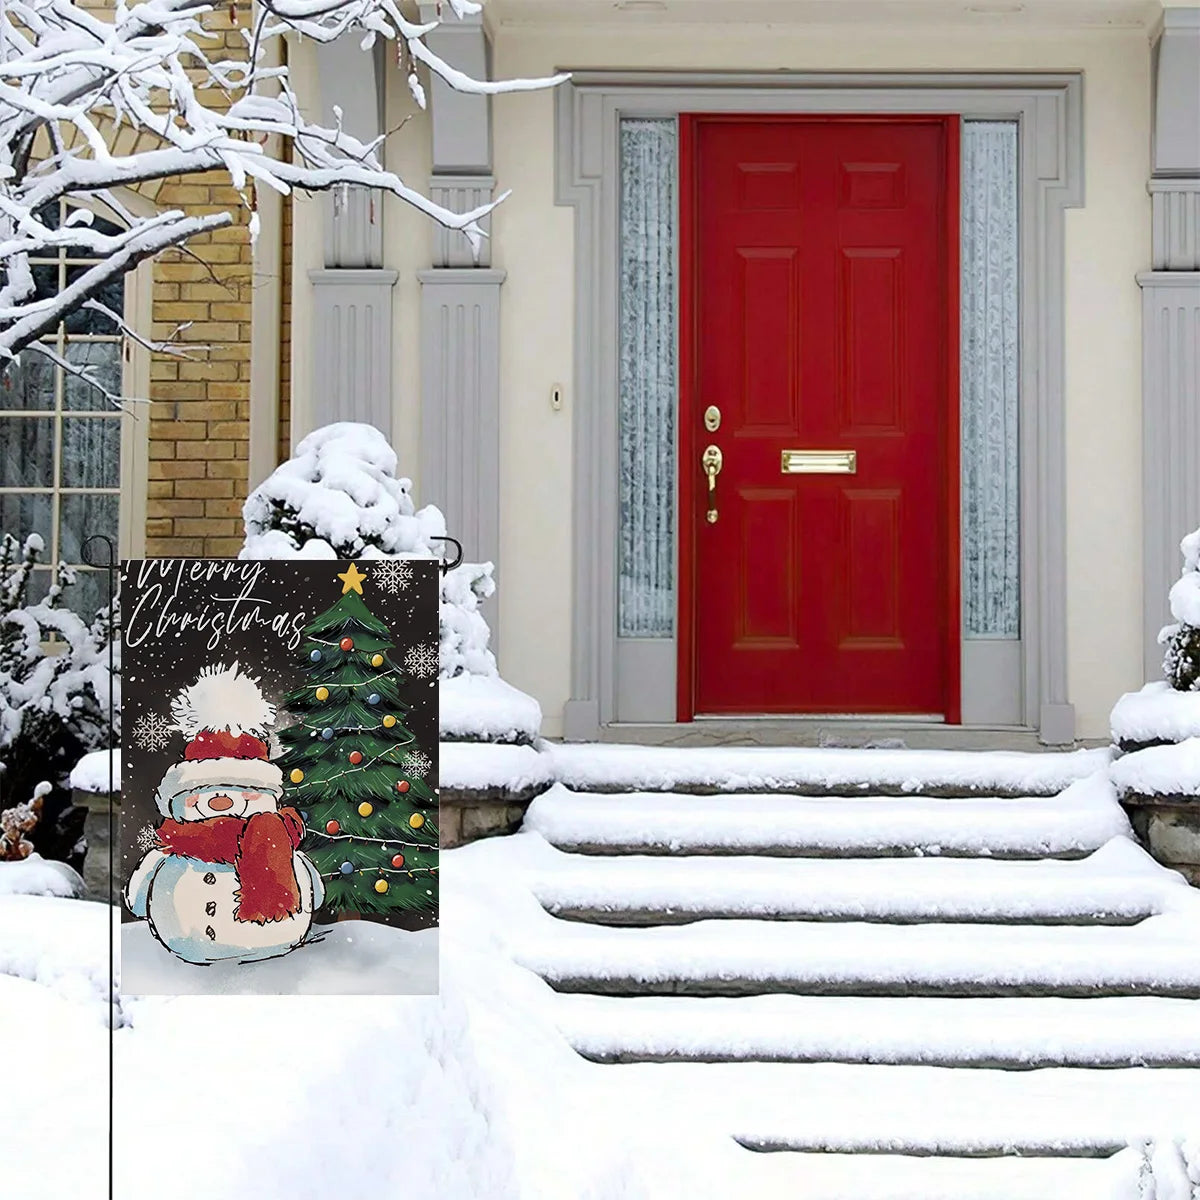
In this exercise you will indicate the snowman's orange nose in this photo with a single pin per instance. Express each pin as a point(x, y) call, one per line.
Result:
point(220, 803)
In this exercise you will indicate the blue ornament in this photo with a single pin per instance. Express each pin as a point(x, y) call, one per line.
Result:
point(327, 734)
point(346, 868)
point(304, 816)
point(315, 656)
point(373, 698)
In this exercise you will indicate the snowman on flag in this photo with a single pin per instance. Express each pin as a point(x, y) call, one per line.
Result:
point(224, 878)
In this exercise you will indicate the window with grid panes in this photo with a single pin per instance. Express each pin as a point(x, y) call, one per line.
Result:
point(60, 438)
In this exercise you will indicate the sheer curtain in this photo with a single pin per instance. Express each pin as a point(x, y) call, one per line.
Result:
point(647, 378)
point(990, 383)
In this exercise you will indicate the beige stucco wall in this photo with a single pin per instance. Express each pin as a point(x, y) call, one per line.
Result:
point(1107, 243)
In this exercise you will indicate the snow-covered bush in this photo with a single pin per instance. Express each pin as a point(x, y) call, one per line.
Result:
point(339, 496)
point(54, 691)
point(1181, 664)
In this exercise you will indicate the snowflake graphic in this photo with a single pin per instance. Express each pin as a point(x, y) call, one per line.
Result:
point(422, 661)
point(416, 762)
point(147, 838)
point(393, 574)
point(151, 732)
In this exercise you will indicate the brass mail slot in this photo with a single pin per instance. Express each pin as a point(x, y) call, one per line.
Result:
point(819, 462)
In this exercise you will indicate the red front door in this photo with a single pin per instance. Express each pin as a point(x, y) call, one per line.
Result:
point(818, 313)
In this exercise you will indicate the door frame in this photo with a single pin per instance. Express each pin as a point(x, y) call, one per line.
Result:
point(1048, 107)
point(687, 315)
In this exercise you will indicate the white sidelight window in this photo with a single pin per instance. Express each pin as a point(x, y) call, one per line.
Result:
point(990, 374)
point(647, 378)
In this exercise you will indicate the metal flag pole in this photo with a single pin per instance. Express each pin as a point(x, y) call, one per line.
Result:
point(91, 551)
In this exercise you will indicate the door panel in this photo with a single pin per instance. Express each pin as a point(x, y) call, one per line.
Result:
point(817, 303)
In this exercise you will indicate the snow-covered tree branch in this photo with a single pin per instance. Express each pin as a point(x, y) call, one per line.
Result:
point(93, 101)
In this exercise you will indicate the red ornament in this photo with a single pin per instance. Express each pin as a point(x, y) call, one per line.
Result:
point(347, 643)
point(355, 757)
point(332, 827)
point(402, 786)
point(398, 860)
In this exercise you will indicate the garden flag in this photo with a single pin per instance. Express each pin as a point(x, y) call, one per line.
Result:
point(279, 806)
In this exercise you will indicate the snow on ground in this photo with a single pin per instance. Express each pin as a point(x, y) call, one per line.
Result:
point(350, 957)
point(477, 1093)
point(90, 773)
point(38, 876)
point(478, 766)
point(771, 768)
point(485, 707)
point(1172, 770)
point(1156, 713)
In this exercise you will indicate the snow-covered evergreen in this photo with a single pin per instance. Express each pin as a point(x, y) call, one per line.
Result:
point(53, 702)
point(1181, 663)
point(340, 496)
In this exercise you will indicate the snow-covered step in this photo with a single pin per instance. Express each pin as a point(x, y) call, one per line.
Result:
point(917, 1110)
point(740, 958)
point(896, 1177)
point(1071, 825)
point(819, 771)
point(1117, 885)
point(1008, 1034)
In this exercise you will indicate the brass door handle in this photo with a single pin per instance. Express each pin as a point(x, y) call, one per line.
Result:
point(712, 461)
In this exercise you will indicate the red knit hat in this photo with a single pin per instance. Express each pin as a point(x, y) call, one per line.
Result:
point(225, 717)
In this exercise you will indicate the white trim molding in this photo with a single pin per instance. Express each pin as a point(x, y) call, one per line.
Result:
point(1171, 324)
point(1048, 107)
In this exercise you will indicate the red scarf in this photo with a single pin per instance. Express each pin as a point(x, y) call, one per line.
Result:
point(260, 847)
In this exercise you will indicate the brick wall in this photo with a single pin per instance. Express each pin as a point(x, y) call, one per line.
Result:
point(200, 411)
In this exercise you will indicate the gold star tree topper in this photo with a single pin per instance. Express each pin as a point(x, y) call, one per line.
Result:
point(352, 580)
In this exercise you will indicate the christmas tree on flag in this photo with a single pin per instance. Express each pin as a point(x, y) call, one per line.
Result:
point(353, 768)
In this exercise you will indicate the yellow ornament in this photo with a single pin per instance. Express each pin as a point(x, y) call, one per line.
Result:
point(365, 809)
point(381, 885)
point(416, 820)
point(389, 721)
point(377, 660)
point(322, 693)
point(297, 775)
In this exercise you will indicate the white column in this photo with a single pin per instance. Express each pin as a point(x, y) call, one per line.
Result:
point(1171, 323)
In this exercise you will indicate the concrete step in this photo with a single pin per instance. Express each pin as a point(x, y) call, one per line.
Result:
point(743, 958)
point(792, 826)
point(1002, 1034)
point(819, 771)
point(1117, 885)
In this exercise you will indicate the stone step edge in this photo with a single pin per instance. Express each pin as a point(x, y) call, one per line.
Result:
point(660, 850)
point(907, 1149)
point(950, 990)
point(643, 918)
point(867, 789)
point(1085, 1060)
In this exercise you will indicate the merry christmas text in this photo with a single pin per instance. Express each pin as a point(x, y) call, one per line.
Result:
point(161, 612)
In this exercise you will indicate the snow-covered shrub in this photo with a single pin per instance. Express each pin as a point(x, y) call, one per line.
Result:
point(54, 692)
point(1181, 663)
point(339, 496)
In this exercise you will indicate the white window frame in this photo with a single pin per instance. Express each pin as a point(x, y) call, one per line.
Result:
point(134, 423)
